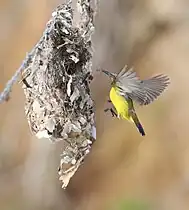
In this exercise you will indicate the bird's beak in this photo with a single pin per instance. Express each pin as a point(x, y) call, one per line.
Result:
point(108, 73)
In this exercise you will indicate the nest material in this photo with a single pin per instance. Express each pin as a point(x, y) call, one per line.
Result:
point(56, 86)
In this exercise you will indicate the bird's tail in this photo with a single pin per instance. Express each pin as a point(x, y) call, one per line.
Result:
point(140, 128)
point(138, 124)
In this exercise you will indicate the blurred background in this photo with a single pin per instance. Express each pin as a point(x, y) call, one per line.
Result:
point(150, 35)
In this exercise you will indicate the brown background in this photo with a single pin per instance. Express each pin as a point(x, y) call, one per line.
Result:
point(152, 36)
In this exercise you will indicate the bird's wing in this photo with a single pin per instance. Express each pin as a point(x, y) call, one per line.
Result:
point(142, 92)
point(130, 85)
point(153, 87)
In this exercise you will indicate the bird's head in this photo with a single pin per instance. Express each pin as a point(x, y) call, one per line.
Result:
point(112, 76)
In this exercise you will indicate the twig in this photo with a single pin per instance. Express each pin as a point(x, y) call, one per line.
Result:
point(4, 96)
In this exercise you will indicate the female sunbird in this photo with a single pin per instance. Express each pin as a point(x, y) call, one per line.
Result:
point(126, 87)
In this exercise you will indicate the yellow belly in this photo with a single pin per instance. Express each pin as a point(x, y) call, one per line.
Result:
point(119, 103)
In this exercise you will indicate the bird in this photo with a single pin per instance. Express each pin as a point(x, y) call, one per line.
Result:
point(127, 89)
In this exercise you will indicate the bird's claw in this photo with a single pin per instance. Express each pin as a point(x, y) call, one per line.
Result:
point(111, 109)
point(112, 112)
point(105, 110)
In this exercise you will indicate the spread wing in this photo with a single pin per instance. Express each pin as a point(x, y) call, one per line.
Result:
point(153, 87)
point(142, 92)
point(130, 85)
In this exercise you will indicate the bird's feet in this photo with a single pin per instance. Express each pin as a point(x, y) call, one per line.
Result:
point(112, 112)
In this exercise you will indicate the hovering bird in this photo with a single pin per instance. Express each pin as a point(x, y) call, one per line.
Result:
point(127, 88)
